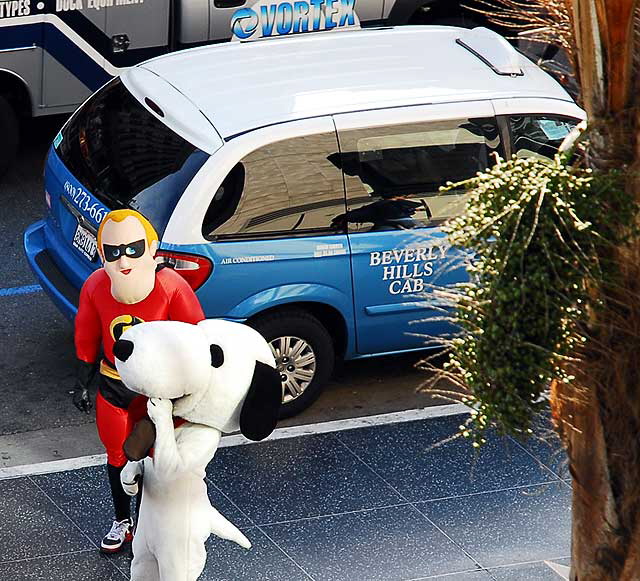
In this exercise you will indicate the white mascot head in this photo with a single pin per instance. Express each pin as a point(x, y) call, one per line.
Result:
point(218, 373)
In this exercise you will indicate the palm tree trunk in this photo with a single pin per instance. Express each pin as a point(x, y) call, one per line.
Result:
point(600, 425)
point(600, 420)
point(594, 517)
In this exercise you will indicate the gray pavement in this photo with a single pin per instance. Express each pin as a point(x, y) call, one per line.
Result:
point(378, 503)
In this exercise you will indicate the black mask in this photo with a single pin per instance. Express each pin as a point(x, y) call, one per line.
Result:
point(130, 250)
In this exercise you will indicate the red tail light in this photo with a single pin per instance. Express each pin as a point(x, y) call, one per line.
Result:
point(193, 268)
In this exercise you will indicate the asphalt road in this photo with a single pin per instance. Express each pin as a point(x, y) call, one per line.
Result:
point(37, 419)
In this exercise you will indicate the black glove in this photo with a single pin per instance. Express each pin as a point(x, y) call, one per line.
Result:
point(85, 373)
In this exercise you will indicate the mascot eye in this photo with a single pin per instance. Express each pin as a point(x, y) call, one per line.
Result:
point(217, 355)
point(135, 249)
point(111, 253)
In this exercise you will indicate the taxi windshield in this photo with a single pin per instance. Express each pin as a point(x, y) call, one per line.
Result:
point(126, 157)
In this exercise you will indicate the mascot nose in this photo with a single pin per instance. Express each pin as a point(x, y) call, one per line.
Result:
point(122, 349)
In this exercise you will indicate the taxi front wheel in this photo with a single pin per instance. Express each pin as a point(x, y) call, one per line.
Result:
point(304, 355)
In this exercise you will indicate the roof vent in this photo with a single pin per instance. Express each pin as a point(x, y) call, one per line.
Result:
point(493, 50)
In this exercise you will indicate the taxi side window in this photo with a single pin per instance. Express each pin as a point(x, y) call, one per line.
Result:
point(538, 135)
point(287, 188)
point(393, 174)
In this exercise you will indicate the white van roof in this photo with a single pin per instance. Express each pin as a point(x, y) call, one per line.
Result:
point(242, 86)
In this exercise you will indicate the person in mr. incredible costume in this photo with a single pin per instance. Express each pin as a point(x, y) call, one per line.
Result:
point(129, 289)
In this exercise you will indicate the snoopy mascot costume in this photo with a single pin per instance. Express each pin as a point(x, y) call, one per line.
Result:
point(206, 379)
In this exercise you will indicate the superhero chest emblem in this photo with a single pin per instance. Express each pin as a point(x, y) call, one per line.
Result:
point(120, 324)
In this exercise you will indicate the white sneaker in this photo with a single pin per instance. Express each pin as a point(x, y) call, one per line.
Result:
point(121, 532)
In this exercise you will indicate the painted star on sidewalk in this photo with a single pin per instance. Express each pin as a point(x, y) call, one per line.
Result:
point(561, 570)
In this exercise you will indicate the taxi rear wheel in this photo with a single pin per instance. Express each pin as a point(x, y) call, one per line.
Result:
point(304, 355)
point(9, 129)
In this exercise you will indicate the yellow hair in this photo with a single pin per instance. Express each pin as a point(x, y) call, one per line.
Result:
point(119, 216)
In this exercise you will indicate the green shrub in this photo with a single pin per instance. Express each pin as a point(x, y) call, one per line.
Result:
point(538, 230)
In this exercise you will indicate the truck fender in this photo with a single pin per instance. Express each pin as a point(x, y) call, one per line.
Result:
point(16, 86)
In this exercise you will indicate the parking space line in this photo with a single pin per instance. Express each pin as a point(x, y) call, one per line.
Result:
point(20, 290)
point(239, 440)
point(53, 466)
point(351, 423)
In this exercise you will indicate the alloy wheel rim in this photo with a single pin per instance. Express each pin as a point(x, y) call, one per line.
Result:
point(296, 364)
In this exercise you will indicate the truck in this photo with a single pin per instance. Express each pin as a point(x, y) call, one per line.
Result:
point(55, 53)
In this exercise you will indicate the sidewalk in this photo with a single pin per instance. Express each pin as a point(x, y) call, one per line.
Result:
point(367, 504)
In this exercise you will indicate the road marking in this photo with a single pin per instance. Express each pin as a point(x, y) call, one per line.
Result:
point(351, 423)
point(53, 466)
point(239, 440)
point(562, 570)
point(20, 290)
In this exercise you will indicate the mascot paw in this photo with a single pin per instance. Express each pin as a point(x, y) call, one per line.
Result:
point(130, 478)
point(160, 409)
point(131, 488)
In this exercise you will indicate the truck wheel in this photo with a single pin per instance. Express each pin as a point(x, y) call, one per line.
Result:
point(304, 354)
point(9, 130)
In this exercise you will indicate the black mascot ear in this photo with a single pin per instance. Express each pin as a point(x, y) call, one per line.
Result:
point(217, 355)
point(261, 407)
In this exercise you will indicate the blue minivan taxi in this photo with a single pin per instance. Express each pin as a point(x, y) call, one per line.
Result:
point(296, 195)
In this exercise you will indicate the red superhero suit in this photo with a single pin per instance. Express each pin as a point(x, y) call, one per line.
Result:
point(100, 322)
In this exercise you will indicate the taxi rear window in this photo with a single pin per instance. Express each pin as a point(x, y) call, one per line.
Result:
point(126, 157)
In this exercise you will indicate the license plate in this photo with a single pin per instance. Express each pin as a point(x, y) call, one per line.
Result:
point(85, 242)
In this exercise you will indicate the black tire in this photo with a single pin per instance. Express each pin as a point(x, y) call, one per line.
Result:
point(10, 132)
point(300, 325)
